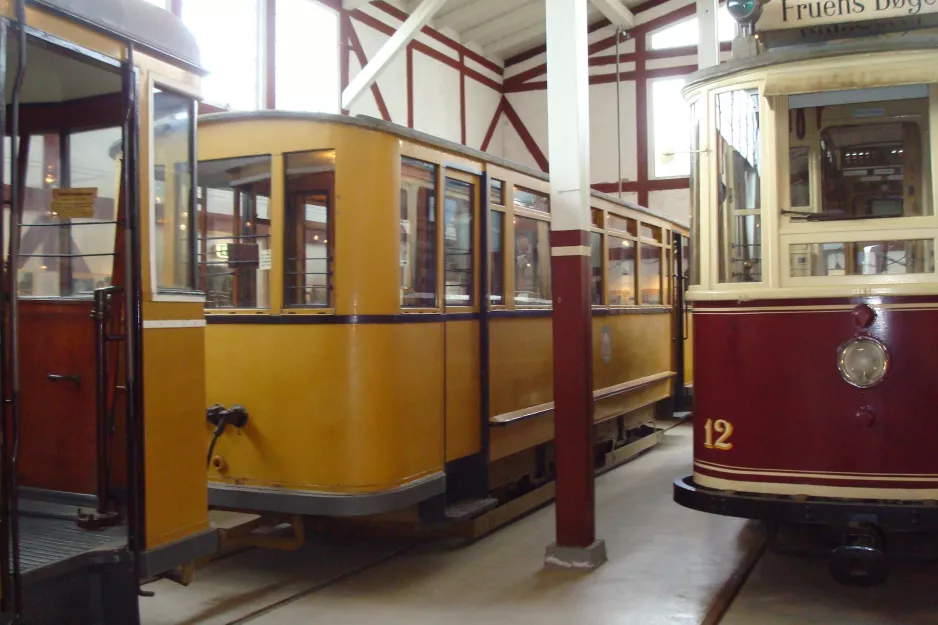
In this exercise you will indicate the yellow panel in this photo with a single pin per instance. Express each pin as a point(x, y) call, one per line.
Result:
point(367, 189)
point(510, 439)
point(640, 346)
point(463, 435)
point(174, 433)
point(337, 407)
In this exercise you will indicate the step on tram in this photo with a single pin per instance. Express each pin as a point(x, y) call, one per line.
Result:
point(379, 302)
point(102, 481)
point(814, 286)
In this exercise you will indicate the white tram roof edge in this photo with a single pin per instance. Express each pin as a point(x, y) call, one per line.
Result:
point(372, 123)
point(154, 29)
point(809, 52)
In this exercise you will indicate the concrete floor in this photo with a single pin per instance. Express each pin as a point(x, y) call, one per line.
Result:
point(667, 566)
point(787, 589)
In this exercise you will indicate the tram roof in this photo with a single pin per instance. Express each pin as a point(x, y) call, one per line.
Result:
point(813, 51)
point(138, 21)
point(371, 123)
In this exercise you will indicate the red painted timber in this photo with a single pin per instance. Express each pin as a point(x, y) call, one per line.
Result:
point(356, 45)
point(493, 125)
point(573, 395)
point(434, 34)
point(526, 137)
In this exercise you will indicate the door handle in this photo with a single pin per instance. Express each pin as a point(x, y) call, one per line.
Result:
point(55, 377)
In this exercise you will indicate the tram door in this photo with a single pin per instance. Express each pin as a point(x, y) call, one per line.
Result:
point(69, 310)
point(681, 338)
point(461, 262)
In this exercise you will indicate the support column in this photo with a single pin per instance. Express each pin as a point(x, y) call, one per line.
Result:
point(708, 46)
point(569, 155)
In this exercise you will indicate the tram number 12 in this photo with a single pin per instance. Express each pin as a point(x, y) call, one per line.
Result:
point(724, 429)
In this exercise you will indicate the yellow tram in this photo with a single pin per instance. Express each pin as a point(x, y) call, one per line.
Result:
point(379, 301)
point(103, 371)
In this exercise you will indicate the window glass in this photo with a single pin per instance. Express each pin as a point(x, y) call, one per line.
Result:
point(865, 258)
point(68, 255)
point(497, 258)
point(687, 33)
point(532, 262)
point(800, 176)
point(228, 33)
point(651, 274)
point(173, 130)
point(234, 232)
point(596, 269)
point(458, 249)
point(650, 232)
point(620, 267)
point(308, 246)
point(163, 4)
point(497, 192)
point(671, 129)
point(692, 265)
point(873, 159)
point(418, 234)
point(532, 200)
point(622, 224)
point(873, 170)
point(738, 186)
point(307, 56)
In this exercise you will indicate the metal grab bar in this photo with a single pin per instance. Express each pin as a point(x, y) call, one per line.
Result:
point(101, 314)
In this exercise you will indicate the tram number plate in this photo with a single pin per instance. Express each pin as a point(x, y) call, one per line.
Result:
point(723, 429)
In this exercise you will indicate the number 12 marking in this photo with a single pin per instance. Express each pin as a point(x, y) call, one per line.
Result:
point(722, 427)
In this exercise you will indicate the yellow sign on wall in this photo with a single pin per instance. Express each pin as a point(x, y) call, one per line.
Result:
point(782, 14)
point(74, 203)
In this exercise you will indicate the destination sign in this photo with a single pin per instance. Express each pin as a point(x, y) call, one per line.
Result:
point(784, 14)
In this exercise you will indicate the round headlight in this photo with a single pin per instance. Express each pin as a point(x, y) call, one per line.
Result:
point(862, 361)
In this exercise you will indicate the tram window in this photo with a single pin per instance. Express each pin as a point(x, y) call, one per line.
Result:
point(497, 192)
point(458, 248)
point(874, 170)
point(865, 258)
point(596, 217)
point(596, 268)
point(60, 255)
point(497, 258)
point(234, 231)
point(650, 274)
point(418, 234)
point(692, 265)
point(174, 217)
point(799, 174)
point(532, 262)
point(738, 186)
point(308, 209)
point(620, 267)
point(532, 200)
point(623, 224)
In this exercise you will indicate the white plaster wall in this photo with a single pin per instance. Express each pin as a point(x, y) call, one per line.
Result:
point(604, 156)
point(674, 203)
point(481, 104)
point(392, 82)
point(531, 107)
point(436, 98)
point(436, 106)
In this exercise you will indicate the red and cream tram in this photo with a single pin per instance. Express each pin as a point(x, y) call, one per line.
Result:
point(814, 291)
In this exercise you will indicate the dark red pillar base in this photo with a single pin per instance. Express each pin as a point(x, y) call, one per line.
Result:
point(573, 389)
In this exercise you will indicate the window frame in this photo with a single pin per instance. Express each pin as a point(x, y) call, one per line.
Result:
point(286, 196)
point(163, 294)
point(203, 250)
point(625, 235)
point(421, 158)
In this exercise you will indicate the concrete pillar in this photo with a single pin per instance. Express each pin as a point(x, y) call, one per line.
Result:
point(569, 155)
point(708, 46)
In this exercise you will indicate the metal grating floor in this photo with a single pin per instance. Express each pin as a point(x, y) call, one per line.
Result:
point(45, 541)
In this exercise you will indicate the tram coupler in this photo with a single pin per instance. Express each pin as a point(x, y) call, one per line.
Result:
point(861, 558)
